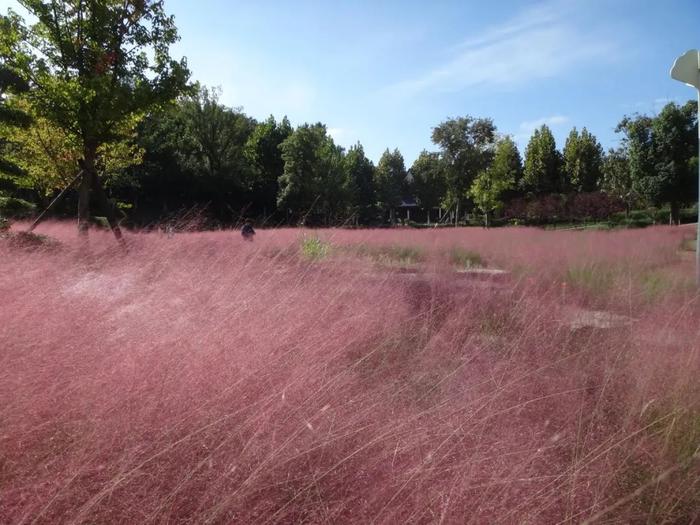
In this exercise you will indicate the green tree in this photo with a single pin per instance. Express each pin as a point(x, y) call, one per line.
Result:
point(583, 158)
point(360, 177)
point(542, 173)
point(466, 144)
point(617, 178)
point(637, 145)
point(428, 182)
point(662, 153)
point(313, 183)
point(501, 176)
point(265, 159)
point(12, 119)
point(675, 132)
point(217, 159)
point(390, 180)
point(47, 155)
point(92, 66)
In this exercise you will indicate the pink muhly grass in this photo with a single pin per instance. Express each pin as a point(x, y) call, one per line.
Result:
point(202, 378)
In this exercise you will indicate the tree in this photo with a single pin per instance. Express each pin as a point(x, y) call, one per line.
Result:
point(617, 178)
point(501, 176)
point(583, 157)
point(313, 181)
point(390, 178)
point(637, 145)
point(216, 158)
point(360, 177)
point(466, 145)
point(265, 160)
point(542, 163)
point(428, 182)
point(662, 153)
point(88, 67)
point(675, 132)
point(12, 119)
point(46, 155)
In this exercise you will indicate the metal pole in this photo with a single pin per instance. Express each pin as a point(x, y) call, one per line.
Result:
point(56, 199)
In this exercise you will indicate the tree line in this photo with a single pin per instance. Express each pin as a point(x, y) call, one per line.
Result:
point(148, 144)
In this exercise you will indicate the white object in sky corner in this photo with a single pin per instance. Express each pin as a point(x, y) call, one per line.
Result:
point(686, 68)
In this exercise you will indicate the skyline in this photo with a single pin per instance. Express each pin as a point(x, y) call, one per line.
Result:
point(386, 74)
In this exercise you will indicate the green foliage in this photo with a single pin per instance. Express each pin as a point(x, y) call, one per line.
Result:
point(501, 176)
point(617, 177)
point(11, 120)
point(314, 249)
point(88, 63)
point(313, 182)
point(16, 208)
point(93, 68)
point(542, 172)
point(428, 180)
point(466, 145)
point(265, 162)
point(463, 258)
point(390, 180)
point(583, 158)
point(360, 174)
point(662, 153)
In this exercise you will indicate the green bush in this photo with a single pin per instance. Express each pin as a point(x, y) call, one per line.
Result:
point(16, 208)
point(314, 249)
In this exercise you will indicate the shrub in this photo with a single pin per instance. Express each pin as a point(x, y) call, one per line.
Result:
point(314, 249)
point(16, 208)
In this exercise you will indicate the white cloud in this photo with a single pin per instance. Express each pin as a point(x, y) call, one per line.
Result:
point(538, 43)
point(526, 128)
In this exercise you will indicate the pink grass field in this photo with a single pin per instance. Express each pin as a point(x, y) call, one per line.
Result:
point(339, 376)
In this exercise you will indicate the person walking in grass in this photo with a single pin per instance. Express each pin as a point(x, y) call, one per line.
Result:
point(247, 231)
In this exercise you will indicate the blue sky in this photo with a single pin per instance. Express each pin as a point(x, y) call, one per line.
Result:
point(385, 73)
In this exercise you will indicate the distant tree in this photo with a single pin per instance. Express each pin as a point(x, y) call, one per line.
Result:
point(542, 173)
point(675, 132)
point(617, 178)
point(313, 183)
point(360, 176)
point(265, 160)
point(501, 176)
point(428, 182)
point(91, 67)
point(466, 145)
point(583, 157)
point(637, 145)
point(390, 179)
point(219, 135)
point(662, 153)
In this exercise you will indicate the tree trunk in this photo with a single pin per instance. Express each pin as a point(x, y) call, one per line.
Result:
point(675, 213)
point(84, 204)
point(486, 218)
point(457, 214)
point(91, 183)
point(107, 208)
